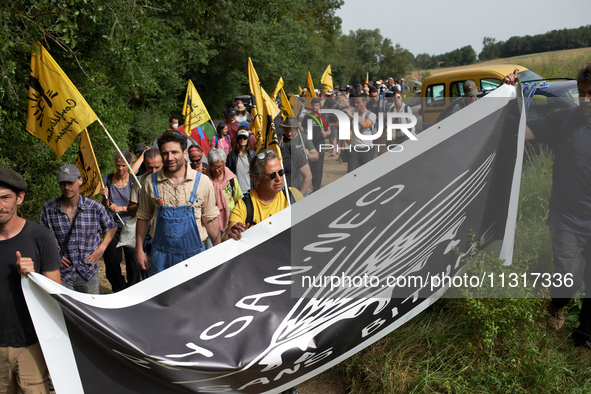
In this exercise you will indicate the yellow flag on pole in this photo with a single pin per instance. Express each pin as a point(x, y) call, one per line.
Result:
point(89, 169)
point(285, 105)
point(310, 86)
point(326, 80)
point(300, 90)
point(264, 111)
point(57, 111)
point(194, 110)
point(278, 87)
point(367, 77)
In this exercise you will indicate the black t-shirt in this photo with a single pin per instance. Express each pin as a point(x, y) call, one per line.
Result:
point(38, 243)
point(567, 133)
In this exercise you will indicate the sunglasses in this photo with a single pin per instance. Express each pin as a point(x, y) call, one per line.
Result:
point(196, 161)
point(262, 155)
point(273, 175)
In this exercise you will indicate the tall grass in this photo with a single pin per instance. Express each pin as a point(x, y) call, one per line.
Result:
point(558, 67)
point(482, 345)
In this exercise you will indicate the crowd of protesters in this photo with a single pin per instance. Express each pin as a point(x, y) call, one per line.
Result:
point(184, 204)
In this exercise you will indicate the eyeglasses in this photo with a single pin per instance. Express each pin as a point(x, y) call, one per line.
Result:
point(273, 175)
point(217, 167)
point(196, 161)
point(262, 155)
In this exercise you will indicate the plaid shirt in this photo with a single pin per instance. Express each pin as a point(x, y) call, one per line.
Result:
point(85, 238)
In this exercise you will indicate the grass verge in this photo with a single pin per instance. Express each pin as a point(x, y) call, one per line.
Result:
point(484, 345)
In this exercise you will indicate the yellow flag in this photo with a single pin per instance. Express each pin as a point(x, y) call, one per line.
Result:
point(300, 90)
point(326, 80)
point(277, 88)
point(57, 111)
point(310, 86)
point(264, 110)
point(194, 110)
point(89, 168)
point(367, 77)
point(296, 106)
point(285, 105)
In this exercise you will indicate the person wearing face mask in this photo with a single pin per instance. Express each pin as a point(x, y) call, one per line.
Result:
point(173, 124)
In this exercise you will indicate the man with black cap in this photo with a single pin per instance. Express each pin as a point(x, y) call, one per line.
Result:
point(25, 247)
point(76, 222)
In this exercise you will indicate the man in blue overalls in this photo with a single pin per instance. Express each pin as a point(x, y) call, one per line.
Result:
point(184, 203)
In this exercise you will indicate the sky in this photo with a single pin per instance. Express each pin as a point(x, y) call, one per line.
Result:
point(439, 26)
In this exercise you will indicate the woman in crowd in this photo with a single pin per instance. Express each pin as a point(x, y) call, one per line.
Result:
point(226, 187)
point(238, 160)
point(221, 139)
point(241, 113)
point(115, 199)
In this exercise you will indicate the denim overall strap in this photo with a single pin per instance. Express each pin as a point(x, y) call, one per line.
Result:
point(177, 236)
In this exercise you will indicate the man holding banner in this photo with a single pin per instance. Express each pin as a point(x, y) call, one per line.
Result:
point(268, 197)
point(568, 133)
point(184, 204)
point(25, 247)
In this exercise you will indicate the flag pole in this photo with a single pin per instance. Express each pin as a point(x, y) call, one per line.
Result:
point(118, 150)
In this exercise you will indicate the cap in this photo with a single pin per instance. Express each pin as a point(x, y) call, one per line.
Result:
point(12, 179)
point(290, 121)
point(68, 173)
point(242, 133)
point(330, 91)
point(231, 112)
point(138, 149)
point(470, 88)
point(378, 83)
point(244, 123)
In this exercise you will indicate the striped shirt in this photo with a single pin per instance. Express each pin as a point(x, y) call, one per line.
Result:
point(85, 238)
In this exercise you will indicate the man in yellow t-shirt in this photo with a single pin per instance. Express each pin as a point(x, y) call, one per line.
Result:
point(267, 197)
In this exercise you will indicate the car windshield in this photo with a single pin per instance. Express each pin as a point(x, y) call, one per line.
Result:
point(528, 75)
point(567, 90)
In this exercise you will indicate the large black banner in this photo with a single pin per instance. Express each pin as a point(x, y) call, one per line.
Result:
point(310, 286)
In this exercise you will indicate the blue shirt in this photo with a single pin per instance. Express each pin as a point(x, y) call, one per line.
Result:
point(569, 136)
point(92, 219)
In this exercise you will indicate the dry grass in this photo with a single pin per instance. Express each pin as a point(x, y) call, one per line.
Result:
point(532, 61)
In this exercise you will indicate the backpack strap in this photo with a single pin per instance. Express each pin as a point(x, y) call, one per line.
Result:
point(249, 210)
point(233, 184)
point(291, 197)
point(216, 139)
point(109, 182)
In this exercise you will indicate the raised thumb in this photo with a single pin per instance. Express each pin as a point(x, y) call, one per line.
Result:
point(18, 256)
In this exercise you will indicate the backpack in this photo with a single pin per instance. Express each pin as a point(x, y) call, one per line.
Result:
point(250, 207)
